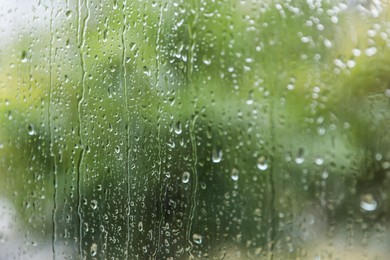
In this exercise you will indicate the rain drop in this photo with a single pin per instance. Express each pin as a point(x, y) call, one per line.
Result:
point(217, 155)
point(178, 128)
point(93, 250)
point(234, 175)
point(319, 161)
point(197, 238)
point(94, 204)
point(186, 177)
point(24, 57)
point(368, 203)
point(262, 163)
point(68, 14)
point(206, 60)
point(146, 71)
point(140, 226)
point(31, 129)
point(299, 159)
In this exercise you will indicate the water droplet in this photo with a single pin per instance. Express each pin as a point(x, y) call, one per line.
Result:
point(217, 155)
point(368, 203)
point(105, 35)
point(319, 161)
point(31, 129)
point(206, 60)
point(117, 149)
point(68, 14)
point(186, 177)
point(234, 175)
point(262, 163)
point(300, 159)
point(93, 250)
point(140, 226)
point(94, 204)
point(178, 128)
point(24, 57)
point(146, 71)
point(197, 238)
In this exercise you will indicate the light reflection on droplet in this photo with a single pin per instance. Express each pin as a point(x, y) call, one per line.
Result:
point(368, 203)
point(217, 155)
point(234, 175)
point(262, 163)
point(197, 238)
point(186, 177)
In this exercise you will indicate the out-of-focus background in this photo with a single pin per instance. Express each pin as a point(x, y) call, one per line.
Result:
point(232, 129)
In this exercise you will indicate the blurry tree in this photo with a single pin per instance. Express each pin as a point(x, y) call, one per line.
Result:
point(158, 129)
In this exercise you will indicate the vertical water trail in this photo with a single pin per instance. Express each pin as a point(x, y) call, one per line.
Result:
point(127, 127)
point(271, 173)
point(195, 181)
point(81, 33)
point(157, 83)
point(55, 181)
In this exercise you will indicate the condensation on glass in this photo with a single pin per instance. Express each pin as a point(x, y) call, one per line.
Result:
point(233, 129)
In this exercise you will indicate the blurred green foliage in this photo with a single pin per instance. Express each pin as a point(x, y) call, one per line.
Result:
point(161, 129)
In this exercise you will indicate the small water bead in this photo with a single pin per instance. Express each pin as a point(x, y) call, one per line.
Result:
point(217, 155)
point(262, 163)
point(93, 249)
point(197, 238)
point(24, 57)
point(319, 161)
point(185, 177)
point(300, 159)
point(234, 175)
point(140, 226)
point(94, 204)
point(178, 129)
point(368, 203)
point(31, 129)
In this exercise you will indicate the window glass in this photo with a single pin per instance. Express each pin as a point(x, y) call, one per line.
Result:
point(202, 129)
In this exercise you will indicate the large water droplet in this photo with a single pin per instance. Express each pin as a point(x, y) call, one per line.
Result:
point(217, 155)
point(300, 159)
point(368, 203)
point(319, 161)
point(197, 238)
point(93, 250)
point(234, 175)
point(68, 14)
point(94, 204)
point(186, 177)
point(140, 226)
point(31, 129)
point(262, 163)
point(206, 60)
point(147, 71)
point(178, 128)
point(24, 57)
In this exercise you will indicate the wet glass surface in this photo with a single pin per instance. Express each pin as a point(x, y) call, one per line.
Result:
point(233, 129)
